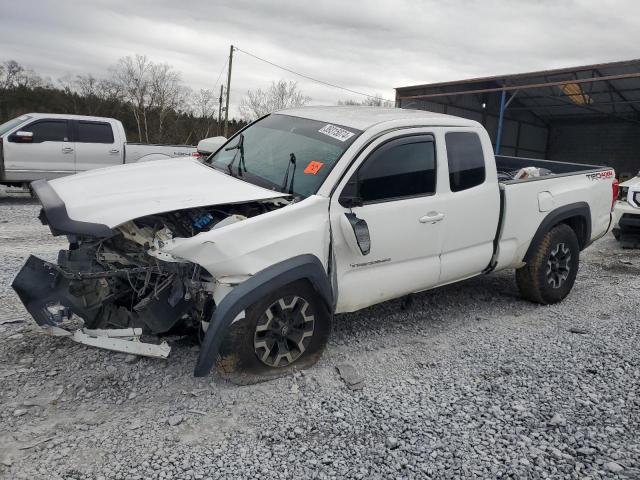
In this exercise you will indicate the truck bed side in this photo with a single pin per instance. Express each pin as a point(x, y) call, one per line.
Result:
point(580, 195)
point(135, 152)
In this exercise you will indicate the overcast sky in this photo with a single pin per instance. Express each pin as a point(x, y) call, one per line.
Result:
point(369, 46)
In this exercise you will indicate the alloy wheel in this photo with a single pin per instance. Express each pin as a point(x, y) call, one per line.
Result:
point(284, 331)
point(558, 265)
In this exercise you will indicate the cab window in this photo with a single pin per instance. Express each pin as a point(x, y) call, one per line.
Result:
point(401, 168)
point(48, 131)
point(94, 132)
point(465, 159)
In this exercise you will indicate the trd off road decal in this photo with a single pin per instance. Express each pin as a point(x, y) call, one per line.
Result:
point(336, 132)
point(600, 175)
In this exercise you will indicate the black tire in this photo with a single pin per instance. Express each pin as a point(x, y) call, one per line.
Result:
point(245, 356)
point(550, 274)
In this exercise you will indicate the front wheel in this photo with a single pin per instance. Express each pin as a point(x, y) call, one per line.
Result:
point(550, 274)
point(286, 329)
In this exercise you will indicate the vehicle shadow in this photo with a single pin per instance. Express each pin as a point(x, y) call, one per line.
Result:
point(481, 296)
point(18, 200)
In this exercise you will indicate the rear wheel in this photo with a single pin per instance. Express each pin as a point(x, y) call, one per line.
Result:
point(550, 274)
point(286, 329)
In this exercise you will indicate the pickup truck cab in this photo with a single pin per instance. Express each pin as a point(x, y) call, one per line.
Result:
point(46, 146)
point(304, 214)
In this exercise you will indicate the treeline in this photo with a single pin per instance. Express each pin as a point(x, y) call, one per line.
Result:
point(150, 99)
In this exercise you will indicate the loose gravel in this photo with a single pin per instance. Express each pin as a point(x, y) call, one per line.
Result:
point(468, 381)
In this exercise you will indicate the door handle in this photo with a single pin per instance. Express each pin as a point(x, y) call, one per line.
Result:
point(67, 150)
point(114, 151)
point(432, 217)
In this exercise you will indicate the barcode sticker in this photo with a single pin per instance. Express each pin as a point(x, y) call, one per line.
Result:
point(336, 132)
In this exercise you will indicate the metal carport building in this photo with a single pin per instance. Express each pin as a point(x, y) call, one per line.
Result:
point(588, 114)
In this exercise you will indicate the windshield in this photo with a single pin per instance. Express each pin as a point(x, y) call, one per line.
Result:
point(7, 126)
point(285, 153)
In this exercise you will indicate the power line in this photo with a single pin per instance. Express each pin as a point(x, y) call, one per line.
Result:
point(307, 76)
point(220, 75)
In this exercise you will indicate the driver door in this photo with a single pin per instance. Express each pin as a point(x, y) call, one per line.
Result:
point(49, 153)
point(392, 188)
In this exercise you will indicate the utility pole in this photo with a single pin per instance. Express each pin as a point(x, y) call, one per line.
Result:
point(226, 110)
point(220, 110)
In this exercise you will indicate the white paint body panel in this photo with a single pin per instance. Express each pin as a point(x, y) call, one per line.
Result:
point(114, 195)
point(522, 214)
point(246, 247)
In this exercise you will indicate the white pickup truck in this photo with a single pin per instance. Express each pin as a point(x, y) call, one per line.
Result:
point(304, 214)
point(46, 146)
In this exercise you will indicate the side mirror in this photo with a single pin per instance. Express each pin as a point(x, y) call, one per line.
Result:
point(360, 231)
point(350, 196)
point(21, 136)
point(351, 202)
point(209, 145)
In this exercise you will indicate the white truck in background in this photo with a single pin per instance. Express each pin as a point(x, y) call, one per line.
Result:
point(626, 227)
point(46, 146)
point(304, 214)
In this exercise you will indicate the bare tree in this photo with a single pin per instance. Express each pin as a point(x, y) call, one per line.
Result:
point(132, 74)
point(279, 95)
point(375, 101)
point(166, 92)
point(203, 108)
point(14, 75)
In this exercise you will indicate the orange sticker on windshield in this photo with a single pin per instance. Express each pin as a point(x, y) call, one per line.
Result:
point(313, 167)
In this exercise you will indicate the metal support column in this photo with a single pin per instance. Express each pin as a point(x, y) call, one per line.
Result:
point(503, 99)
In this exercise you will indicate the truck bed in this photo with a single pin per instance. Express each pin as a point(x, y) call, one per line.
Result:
point(510, 165)
point(526, 202)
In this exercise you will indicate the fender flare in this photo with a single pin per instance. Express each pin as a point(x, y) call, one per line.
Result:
point(578, 209)
point(307, 267)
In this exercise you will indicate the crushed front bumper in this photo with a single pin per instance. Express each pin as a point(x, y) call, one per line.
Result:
point(44, 291)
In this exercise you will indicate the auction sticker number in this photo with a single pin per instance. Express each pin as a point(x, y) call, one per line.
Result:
point(336, 132)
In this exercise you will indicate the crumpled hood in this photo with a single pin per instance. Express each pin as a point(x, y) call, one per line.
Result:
point(114, 195)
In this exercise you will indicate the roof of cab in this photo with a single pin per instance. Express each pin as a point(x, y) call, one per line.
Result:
point(36, 115)
point(362, 118)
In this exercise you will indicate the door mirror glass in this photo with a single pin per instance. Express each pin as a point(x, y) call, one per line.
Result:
point(21, 136)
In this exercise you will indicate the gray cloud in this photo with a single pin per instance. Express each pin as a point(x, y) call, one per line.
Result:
point(369, 46)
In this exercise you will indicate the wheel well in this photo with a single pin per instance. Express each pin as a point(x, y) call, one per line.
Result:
point(576, 215)
point(579, 226)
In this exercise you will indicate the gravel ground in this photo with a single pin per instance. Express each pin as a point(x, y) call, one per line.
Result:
point(468, 381)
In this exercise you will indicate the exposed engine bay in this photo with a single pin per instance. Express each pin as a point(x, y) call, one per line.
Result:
point(126, 281)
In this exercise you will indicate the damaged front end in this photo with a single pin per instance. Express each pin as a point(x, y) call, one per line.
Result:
point(111, 284)
point(117, 278)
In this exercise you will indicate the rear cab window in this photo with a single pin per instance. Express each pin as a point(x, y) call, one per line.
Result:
point(93, 132)
point(465, 159)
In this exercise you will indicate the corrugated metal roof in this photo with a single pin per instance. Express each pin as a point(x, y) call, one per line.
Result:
point(592, 90)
